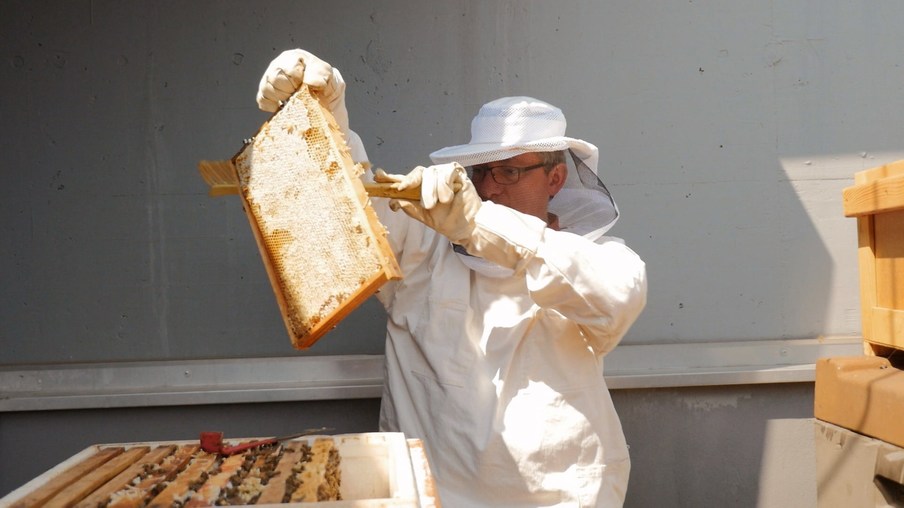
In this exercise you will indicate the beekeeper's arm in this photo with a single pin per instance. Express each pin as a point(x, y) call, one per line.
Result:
point(601, 287)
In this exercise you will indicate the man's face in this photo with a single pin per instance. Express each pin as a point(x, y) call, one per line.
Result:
point(530, 194)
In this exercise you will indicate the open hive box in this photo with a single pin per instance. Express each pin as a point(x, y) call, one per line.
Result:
point(859, 400)
point(374, 469)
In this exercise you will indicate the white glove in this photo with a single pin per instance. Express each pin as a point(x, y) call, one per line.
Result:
point(449, 201)
point(289, 70)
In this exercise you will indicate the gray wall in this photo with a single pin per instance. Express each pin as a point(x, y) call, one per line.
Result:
point(727, 132)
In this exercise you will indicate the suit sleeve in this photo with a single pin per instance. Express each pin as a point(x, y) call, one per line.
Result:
point(601, 286)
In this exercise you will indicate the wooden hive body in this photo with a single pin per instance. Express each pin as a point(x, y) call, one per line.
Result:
point(877, 201)
point(865, 393)
point(323, 247)
point(378, 469)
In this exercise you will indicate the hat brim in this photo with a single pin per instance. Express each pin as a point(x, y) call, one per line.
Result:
point(482, 153)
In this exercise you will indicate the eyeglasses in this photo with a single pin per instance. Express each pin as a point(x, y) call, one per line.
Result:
point(503, 175)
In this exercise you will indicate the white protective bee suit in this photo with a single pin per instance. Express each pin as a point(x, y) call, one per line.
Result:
point(494, 358)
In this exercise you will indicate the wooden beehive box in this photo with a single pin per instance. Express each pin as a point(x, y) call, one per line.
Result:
point(379, 469)
point(866, 393)
point(877, 201)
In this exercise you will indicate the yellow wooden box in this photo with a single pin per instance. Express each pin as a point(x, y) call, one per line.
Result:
point(877, 201)
point(866, 393)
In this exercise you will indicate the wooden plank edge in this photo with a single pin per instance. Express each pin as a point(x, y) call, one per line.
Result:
point(887, 328)
point(89, 483)
point(878, 196)
point(368, 289)
point(867, 266)
point(59, 482)
point(121, 480)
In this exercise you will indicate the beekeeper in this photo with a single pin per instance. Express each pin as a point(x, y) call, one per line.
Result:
point(511, 297)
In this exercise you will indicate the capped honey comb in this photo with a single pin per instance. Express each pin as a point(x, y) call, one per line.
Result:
point(323, 246)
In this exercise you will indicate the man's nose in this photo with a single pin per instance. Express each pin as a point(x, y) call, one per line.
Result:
point(487, 188)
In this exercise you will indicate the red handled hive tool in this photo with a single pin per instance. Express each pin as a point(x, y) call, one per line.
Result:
point(212, 442)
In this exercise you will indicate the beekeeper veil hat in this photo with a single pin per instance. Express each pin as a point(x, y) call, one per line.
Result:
point(511, 126)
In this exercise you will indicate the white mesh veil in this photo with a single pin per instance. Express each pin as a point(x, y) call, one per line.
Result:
point(584, 206)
